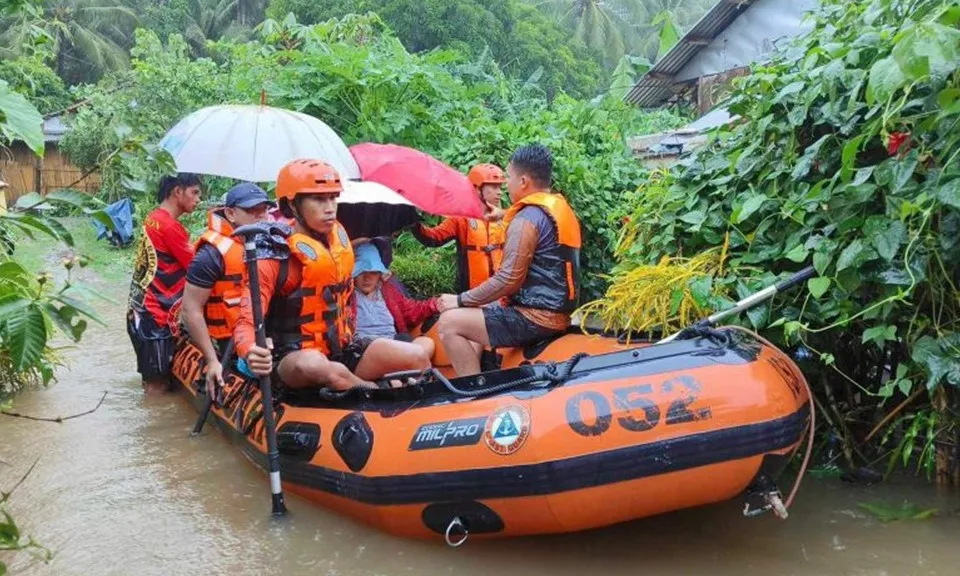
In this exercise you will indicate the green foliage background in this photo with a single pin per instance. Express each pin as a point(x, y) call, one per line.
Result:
point(845, 158)
point(356, 76)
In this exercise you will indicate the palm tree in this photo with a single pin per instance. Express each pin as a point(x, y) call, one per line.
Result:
point(600, 24)
point(618, 27)
point(208, 20)
point(87, 37)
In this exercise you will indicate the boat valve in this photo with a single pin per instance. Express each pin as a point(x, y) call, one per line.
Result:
point(456, 525)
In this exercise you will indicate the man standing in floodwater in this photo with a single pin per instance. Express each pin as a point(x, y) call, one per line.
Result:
point(160, 268)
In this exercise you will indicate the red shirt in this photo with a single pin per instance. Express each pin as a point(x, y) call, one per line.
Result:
point(160, 269)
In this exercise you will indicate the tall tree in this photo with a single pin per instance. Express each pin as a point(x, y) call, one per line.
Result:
point(87, 37)
point(618, 27)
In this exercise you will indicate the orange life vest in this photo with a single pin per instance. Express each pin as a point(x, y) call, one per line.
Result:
point(483, 244)
point(223, 305)
point(553, 280)
point(316, 314)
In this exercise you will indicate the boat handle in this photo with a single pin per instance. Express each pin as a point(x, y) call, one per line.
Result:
point(456, 523)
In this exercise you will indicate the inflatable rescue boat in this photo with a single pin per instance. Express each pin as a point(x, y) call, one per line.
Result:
point(573, 433)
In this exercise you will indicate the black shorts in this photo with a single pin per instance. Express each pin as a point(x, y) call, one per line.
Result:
point(153, 345)
point(508, 328)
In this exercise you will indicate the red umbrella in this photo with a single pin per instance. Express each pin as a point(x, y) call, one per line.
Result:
point(426, 182)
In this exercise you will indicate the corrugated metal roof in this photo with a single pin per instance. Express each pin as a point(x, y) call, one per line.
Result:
point(54, 129)
point(655, 85)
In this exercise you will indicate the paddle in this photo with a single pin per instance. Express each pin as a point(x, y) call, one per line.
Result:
point(208, 403)
point(750, 301)
point(262, 241)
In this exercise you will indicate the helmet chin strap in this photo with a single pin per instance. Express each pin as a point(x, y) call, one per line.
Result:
point(303, 223)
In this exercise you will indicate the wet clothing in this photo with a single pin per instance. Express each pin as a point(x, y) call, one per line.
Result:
point(307, 300)
point(163, 255)
point(553, 279)
point(373, 317)
point(219, 266)
point(507, 327)
point(152, 344)
point(539, 276)
point(206, 267)
point(479, 246)
point(405, 313)
point(160, 268)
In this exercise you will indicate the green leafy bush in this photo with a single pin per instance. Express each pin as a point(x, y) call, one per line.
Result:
point(35, 80)
point(845, 156)
point(523, 41)
point(355, 75)
point(425, 272)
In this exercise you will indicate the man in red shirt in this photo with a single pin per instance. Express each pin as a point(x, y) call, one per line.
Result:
point(159, 274)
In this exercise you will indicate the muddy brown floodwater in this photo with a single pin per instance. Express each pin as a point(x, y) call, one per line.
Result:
point(126, 491)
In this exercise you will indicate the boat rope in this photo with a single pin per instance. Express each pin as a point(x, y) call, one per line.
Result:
point(698, 330)
point(555, 374)
point(813, 416)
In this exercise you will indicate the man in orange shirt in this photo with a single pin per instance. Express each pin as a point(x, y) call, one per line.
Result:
point(479, 241)
point(309, 297)
point(539, 275)
point(159, 274)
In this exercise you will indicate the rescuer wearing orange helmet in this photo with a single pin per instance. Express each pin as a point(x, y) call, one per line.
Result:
point(308, 297)
point(479, 242)
point(537, 286)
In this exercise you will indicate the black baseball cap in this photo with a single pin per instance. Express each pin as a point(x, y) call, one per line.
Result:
point(246, 195)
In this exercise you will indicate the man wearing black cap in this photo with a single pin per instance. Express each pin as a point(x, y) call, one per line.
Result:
point(211, 299)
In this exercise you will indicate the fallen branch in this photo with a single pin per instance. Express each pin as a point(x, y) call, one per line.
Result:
point(6, 495)
point(58, 418)
point(892, 414)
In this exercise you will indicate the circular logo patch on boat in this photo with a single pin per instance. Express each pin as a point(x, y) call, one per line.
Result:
point(507, 429)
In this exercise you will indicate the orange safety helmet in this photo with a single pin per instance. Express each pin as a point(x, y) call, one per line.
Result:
point(486, 174)
point(307, 176)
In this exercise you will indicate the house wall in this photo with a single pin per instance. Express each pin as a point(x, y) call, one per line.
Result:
point(751, 37)
point(20, 169)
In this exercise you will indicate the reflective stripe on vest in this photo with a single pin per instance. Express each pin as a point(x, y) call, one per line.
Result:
point(223, 305)
point(483, 243)
point(318, 313)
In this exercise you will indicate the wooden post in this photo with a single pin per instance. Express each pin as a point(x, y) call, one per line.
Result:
point(38, 175)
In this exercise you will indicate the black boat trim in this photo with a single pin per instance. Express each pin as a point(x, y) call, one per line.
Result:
point(544, 478)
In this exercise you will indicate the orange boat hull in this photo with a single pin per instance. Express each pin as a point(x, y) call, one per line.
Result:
point(634, 432)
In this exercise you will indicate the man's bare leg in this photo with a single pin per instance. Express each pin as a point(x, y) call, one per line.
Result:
point(459, 330)
point(428, 345)
point(384, 356)
point(311, 369)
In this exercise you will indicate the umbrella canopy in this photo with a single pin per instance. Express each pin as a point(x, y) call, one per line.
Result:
point(369, 209)
point(253, 142)
point(428, 183)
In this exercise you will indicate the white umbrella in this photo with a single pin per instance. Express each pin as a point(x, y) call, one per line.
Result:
point(370, 209)
point(370, 193)
point(253, 142)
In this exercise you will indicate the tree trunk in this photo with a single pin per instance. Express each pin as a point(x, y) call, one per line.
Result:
point(947, 464)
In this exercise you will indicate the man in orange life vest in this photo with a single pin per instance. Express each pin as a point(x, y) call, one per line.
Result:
point(539, 275)
point(159, 273)
point(479, 242)
point(309, 297)
point(211, 298)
